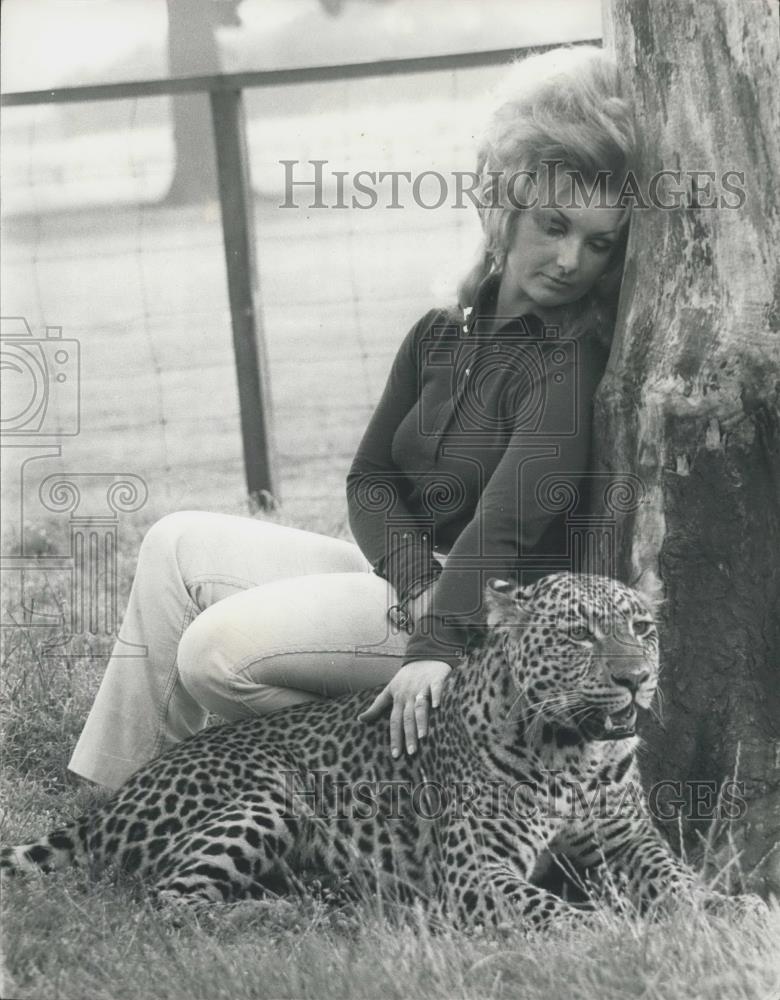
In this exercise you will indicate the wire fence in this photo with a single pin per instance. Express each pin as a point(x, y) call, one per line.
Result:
point(120, 397)
point(91, 247)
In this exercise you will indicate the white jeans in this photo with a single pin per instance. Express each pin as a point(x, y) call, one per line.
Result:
point(239, 617)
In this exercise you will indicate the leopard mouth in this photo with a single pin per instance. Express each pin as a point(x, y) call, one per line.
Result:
point(600, 725)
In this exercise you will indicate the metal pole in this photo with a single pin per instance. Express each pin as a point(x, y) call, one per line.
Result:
point(235, 198)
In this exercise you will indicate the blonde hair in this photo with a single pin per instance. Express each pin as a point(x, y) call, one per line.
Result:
point(563, 105)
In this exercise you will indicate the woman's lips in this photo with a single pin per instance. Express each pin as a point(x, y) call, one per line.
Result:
point(556, 282)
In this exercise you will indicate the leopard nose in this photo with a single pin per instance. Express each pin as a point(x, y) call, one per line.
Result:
point(630, 678)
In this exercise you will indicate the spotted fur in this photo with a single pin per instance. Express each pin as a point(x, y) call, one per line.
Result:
point(530, 754)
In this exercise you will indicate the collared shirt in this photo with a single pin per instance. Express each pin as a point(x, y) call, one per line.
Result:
point(483, 427)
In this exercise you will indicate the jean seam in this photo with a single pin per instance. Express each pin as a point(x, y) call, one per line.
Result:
point(130, 760)
point(190, 613)
point(247, 661)
point(240, 582)
point(244, 664)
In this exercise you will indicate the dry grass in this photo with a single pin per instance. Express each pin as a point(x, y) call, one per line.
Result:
point(67, 939)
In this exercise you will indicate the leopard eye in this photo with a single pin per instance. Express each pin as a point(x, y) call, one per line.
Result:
point(643, 628)
point(580, 632)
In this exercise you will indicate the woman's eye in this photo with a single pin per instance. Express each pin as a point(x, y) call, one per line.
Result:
point(601, 247)
point(642, 629)
point(549, 224)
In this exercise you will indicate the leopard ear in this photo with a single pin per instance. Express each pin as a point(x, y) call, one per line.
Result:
point(510, 587)
point(503, 599)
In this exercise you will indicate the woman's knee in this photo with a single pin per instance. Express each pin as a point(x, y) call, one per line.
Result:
point(204, 669)
point(164, 535)
point(228, 646)
point(209, 671)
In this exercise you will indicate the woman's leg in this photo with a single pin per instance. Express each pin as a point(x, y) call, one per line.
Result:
point(290, 641)
point(187, 562)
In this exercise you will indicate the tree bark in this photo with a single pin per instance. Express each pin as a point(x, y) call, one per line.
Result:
point(690, 400)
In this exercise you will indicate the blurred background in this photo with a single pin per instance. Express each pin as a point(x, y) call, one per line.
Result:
point(112, 229)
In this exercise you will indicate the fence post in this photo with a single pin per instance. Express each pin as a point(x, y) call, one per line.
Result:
point(235, 198)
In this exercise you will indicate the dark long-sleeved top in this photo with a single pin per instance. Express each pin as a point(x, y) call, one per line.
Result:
point(477, 448)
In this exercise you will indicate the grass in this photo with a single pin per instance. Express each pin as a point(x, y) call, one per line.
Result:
point(66, 939)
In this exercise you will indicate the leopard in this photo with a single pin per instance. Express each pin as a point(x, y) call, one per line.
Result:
point(530, 759)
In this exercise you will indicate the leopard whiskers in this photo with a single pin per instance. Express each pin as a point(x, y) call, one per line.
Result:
point(658, 714)
point(554, 702)
point(580, 713)
point(516, 708)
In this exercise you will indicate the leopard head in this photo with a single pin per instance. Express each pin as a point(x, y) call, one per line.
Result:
point(582, 650)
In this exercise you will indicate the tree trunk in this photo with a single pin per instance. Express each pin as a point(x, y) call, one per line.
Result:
point(690, 400)
point(192, 51)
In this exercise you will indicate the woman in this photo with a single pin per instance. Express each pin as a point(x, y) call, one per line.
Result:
point(482, 406)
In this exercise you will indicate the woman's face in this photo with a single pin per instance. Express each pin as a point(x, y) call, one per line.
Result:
point(556, 254)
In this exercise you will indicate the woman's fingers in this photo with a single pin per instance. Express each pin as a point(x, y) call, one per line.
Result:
point(410, 725)
point(421, 714)
point(403, 730)
point(396, 728)
point(382, 702)
point(408, 719)
point(436, 689)
point(414, 690)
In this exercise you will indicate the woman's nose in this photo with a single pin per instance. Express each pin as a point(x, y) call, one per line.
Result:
point(568, 256)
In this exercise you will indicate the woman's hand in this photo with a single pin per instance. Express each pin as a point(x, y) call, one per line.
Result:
point(409, 693)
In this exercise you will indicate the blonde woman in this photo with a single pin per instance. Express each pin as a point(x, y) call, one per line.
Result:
point(239, 617)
